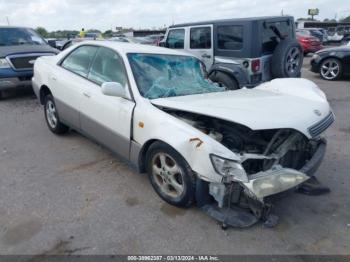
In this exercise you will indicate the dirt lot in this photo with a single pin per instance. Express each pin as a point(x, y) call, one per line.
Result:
point(67, 195)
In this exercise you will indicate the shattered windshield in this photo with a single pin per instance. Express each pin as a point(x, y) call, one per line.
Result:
point(159, 76)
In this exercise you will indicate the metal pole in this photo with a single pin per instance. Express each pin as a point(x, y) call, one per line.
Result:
point(8, 21)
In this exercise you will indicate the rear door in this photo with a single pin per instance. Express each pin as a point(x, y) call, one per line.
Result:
point(201, 43)
point(67, 82)
point(107, 118)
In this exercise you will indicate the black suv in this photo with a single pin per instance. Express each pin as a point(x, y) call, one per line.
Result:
point(241, 52)
point(19, 47)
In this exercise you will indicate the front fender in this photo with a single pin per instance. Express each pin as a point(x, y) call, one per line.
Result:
point(151, 123)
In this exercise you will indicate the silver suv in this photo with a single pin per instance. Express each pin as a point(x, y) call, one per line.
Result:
point(241, 52)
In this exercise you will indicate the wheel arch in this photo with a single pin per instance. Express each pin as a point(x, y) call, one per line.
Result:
point(44, 91)
point(144, 150)
point(226, 71)
point(232, 70)
point(328, 57)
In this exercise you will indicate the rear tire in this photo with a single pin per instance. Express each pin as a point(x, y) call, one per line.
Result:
point(52, 118)
point(224, 80)
point(287, 59)
point(170, 175)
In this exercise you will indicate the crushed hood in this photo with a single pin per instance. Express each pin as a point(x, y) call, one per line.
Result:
point(282, 103)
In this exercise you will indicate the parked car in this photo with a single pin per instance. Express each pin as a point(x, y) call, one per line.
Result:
point(60, 43)
point(309, 44)
point(340, 34)
point(196, 140)
point(72, 42)
point(241, 52)
point(325, 34)
point(92, 36)
point(19, 48)
point(77, 39)
point(144, 40)
point(52, 42)
point(345, 32)
point(124, 39)
point(156, 39)
point(332, 63)
point(333, 35)
point(315, 32)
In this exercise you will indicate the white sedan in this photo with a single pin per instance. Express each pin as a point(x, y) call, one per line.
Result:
point(196, 140)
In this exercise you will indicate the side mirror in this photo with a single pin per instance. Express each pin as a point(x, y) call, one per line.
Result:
point(113, 89)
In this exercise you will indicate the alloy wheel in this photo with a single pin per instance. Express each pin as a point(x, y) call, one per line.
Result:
point(330, 69)
point(167, 175)
point(51, 114)
point(293, 60)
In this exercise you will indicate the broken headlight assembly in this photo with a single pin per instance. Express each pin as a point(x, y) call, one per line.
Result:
point(230, 170)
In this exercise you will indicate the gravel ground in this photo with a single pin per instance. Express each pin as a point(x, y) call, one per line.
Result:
point(68, 195)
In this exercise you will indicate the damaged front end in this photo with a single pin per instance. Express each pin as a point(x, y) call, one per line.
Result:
point(271, 162)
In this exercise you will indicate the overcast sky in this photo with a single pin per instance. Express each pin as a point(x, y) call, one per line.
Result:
point(107, 14)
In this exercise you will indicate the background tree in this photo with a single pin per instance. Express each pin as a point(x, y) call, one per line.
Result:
point(42, 31)
point(346, 19)
point(108, 33)
point(96, 31)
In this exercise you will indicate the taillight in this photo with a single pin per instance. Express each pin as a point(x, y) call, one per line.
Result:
point(255, 65)
point(305, 40)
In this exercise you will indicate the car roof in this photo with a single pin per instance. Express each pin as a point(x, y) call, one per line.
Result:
point(125, 48)
point(233, 20)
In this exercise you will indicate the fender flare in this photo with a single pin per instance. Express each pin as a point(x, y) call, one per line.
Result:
point(233, 70)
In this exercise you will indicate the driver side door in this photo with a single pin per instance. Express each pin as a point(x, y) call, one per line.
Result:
point(107, 118)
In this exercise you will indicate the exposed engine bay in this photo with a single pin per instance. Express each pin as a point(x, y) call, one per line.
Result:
point(259, 150)
point(271, 159)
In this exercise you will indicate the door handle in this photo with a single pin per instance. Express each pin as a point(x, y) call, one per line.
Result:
point(86, 94)
point(206, 56)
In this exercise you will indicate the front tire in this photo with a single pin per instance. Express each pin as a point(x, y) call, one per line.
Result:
point(52, 118)
point(170, 175)
point(331, 69)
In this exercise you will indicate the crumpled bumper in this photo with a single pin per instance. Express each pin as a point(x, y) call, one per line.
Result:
point(281, 179)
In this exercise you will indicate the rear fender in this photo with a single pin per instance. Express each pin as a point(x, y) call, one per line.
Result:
point(234, 70)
